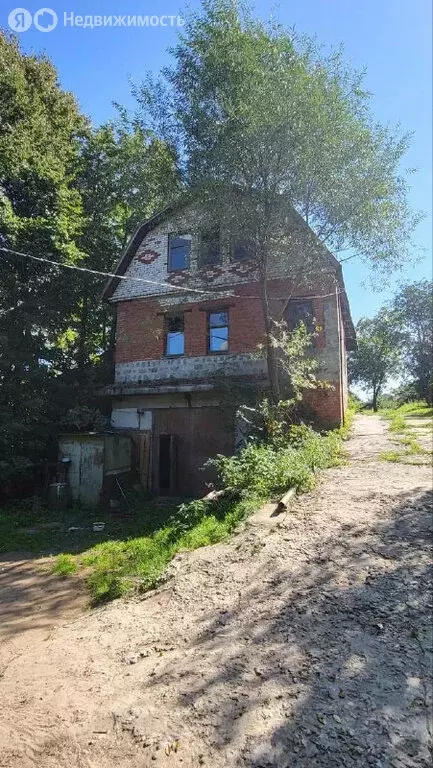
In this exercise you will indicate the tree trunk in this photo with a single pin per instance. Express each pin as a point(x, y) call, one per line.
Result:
point(375, 395)
point(82, 356)
point(271, 357)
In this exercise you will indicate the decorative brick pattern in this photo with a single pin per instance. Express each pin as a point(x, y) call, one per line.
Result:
point(146, 255)
point(155, 269)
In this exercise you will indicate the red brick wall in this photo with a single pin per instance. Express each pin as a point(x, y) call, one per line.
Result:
point(140, 322)
point(326, 405)
point(139, 332)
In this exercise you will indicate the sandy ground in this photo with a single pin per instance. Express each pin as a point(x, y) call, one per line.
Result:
point(302, 642)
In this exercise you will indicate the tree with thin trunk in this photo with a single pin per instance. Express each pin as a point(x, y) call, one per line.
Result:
point(379, 354)
point(269, 129)
point(414, 307)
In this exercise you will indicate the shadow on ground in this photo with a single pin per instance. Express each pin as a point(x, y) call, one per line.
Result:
point(32, 599)
point(342, 666)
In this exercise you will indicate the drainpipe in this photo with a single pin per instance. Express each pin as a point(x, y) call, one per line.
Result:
point(340, 360)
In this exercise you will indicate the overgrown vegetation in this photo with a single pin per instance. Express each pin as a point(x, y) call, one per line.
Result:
point(136, 546)
point(408, 433)
point(73, 194)
point(267, 469)
point(268, 126)
point(234, 115)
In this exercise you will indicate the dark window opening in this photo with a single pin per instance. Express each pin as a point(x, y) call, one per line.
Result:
point(240, 251)
point(179, 249)
point(300, 311)
point(218, 331)
point(174, 335)
point(165, 462)
point(210, 251)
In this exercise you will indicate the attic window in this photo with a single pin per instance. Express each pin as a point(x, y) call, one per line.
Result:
point(210, 252)
point(240, 251)
point(174, 335)
point(300, 311)
point(179, 249)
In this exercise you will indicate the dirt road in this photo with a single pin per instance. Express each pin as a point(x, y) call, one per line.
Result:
point(301, 643)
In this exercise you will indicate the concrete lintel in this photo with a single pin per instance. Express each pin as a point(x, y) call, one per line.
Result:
point(161, 389)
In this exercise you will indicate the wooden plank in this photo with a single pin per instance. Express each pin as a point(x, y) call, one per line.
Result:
point(284, 502)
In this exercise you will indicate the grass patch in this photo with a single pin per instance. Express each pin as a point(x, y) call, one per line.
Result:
point(393, 456)
point(64, 565)
point(399, 425)
point(412, 445)
point(136, 546)
point(25, 527)
point(139, 563)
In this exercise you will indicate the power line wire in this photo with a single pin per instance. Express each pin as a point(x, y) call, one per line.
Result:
point(99, 272)
point(221, 292)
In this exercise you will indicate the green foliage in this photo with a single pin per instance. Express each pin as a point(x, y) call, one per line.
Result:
point(378, 356)
point(405, 393)
point(414, 408)
point(268, 127)
point(392, 456)
point(84, 419)
point(257, 106)
point(74, 195)
point(299, 367)
point(271, 421)
point(414, 307)
point(133, 551)
point(40, 212)
point(266, 422)
point(29, 527)
point(266, 470)
point(355, 403)
point(64, 565)
point(116, 567)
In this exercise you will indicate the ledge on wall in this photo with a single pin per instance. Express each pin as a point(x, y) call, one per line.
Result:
point(164, 388)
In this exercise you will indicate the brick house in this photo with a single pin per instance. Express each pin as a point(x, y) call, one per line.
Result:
point(189, 321)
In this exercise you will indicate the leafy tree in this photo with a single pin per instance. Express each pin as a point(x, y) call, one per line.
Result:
point(73, 195)
point(414, 307)
point(269, 421)
point(378, 356)
point(267, 128)
point(126, 174)
point(40, 212)
point(299, 368)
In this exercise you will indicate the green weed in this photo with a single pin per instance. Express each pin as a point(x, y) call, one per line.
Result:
point(399, 425)
point(64, 565)
point(393, 456)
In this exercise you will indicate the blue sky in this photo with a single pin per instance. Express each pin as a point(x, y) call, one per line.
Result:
point(390, 38)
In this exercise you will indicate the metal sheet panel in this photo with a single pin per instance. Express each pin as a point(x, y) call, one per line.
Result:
point(117, 454)
point(91, 471)
point(131, 418)
point(71, 449)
